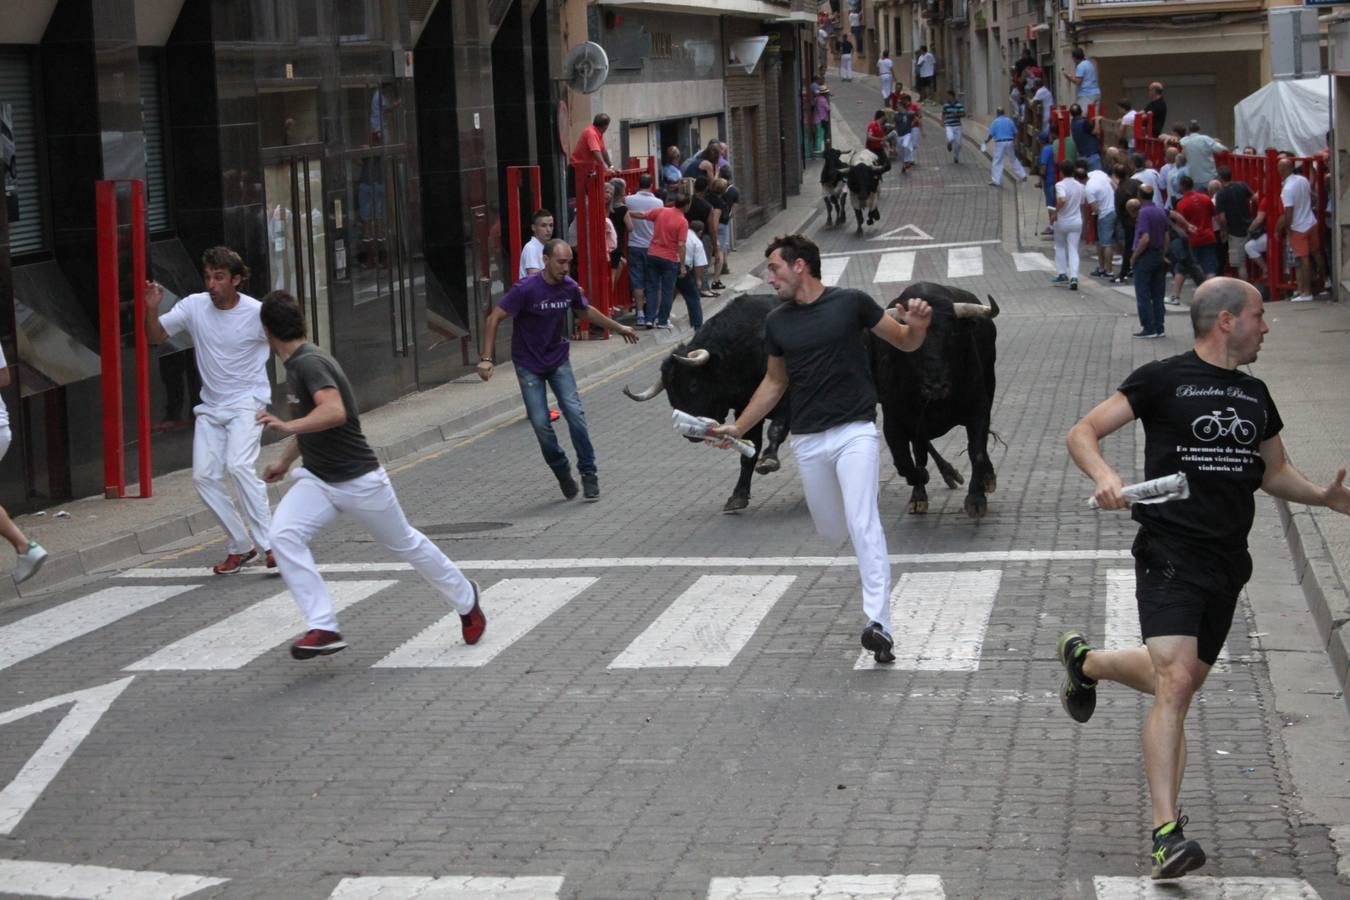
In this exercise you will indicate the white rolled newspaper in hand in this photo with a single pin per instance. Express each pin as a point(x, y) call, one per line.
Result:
point(697, 427)
point(1155, 490)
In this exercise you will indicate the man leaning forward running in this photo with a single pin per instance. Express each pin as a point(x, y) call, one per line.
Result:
point(340, 473)
point(1218, 425)
point(232, 361)
point(814, 351)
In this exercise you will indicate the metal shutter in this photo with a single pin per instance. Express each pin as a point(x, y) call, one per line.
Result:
point(156, 189)
point(16, 88)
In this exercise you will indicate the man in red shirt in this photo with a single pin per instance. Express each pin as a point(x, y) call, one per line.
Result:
point(665, 257)
point(590, 148)
point(1195, 212)
point(876, 139)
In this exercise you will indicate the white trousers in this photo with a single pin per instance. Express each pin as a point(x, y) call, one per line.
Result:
point(954, 138)
point(841, 477)
point(225, 444)
point(846, 67)
point(1002, 150)
point(908, 144)
point(312, 504)
point(1066, 248)
point(887, 85)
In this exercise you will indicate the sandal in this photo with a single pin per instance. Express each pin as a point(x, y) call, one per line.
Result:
point(718, 286)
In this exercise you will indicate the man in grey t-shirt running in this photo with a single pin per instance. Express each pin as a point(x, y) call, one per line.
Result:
point(340, 474)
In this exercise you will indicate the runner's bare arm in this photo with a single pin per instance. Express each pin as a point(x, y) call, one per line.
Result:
point(1288, 483)
point(1085, 448)
point(154, 332)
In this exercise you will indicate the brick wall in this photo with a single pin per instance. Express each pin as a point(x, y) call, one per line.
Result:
point(753, 115)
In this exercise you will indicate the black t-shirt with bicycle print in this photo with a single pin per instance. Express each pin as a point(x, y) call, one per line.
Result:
point(1209, 423)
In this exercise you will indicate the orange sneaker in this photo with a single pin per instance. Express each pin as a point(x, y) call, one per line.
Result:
point(234, 562)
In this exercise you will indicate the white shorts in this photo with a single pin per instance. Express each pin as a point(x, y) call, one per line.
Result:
point(5, 437)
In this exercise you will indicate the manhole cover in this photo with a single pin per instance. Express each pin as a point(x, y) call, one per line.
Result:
point(464, 527)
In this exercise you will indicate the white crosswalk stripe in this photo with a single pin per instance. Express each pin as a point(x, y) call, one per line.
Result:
point(448, 887)
point(40, 632)
point(894, 268)
point(1203, 888)
point(1033, 262)
point(945, 615)
point(832, 269)
point(513, 606)
point(827, 887)
point(49, 879)
point(707, 625)
point(965, 262)
point(1122, 616)
point(235, 642)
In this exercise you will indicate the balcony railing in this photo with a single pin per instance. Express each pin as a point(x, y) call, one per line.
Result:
point(1098, 9)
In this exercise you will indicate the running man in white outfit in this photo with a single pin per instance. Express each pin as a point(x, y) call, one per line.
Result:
point(232, 360)
point(886, 69)
point(31, 554)
point(340, 474)
point(813, 347)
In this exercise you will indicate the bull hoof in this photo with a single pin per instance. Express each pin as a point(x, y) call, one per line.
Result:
point(917, 507)
point(735, 503)
point(977, 507)
point(953, 479)
point(991, 484)
point(859, 231)
point(767, 464)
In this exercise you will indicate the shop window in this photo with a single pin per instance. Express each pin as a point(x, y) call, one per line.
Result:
point(152, 122)
point(358, 20)
point(19, 132)
point(373, 115)
point(289, 118)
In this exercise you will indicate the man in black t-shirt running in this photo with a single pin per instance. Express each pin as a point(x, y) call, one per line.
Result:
point(1218, 425)
point(814, 348)
point(340, 474)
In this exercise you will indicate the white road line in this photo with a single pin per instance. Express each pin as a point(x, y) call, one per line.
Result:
point(448, 887)
point(833, 887)
point(1122, 616)
point(1203, 888)
point(943, 617)
point(1033, 262)
point(20, 794)
point(848, 254)
point(707, 625)
point(831, 270)
point(965, 262)
point(49, 879)
point(894, 268)
point(684, 562)
point(234, 642)
point(40, 632)
point(513, 606)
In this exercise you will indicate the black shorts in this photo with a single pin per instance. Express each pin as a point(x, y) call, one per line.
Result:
point(926, 82)
point(1182, 590)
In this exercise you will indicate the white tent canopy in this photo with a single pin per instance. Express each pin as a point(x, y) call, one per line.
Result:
point(1289, 114)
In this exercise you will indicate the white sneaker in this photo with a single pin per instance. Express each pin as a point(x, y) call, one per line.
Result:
point(1301, 298)
point(1174, 301)
point(29, 562)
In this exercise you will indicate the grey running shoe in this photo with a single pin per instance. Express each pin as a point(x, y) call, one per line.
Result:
point(877, 642)
point(568, 484)
point(590, 488)
point(1078, 694)
point(1173, 853)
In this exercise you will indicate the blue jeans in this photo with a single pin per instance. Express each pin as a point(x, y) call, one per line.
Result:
point(637, 269)
point(661, 275)
point(1208, 258)
point(1150, 285)
point(1094, 161)
point(688, 288)
point(533, 392)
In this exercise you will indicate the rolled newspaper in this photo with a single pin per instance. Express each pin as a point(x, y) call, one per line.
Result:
point(1155, 490)
point(697, 427)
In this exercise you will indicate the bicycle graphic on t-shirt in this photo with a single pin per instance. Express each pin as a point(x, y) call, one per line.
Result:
point(1217, 424)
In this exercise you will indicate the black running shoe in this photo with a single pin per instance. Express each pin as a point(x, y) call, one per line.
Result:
point(590, 488)
point(1078, 694)
point(876, 641)
point(1173, 853)
point(568, 484)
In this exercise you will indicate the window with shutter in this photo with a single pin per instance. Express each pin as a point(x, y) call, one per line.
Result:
point(156, 187)
point(26, 233)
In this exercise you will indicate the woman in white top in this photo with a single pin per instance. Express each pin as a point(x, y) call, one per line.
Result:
point(31, 554)
point(1067, 220)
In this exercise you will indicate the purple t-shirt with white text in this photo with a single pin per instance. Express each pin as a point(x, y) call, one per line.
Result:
point(540, 313)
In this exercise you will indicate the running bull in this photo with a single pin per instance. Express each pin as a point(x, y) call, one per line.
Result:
point(864, 184)
point(833, 185)
point(719, 369)
point(946, 383)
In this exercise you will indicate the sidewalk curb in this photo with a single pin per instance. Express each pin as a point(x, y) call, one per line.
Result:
point(1328, 599)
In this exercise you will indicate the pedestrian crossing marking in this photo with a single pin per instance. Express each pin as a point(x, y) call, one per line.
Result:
point(89, 706)
point(965, 262)
point(40, 632)
point(831, 270)
point(49, 879)
point(707, 625)
point(894, 268)
point(903, 233)
point(945, 615)
point(1203, 888)
point(1122, 616)
point(236, 641)
point(1033, 262)
point(827, 887)
point(514, 606)
point(448, 887)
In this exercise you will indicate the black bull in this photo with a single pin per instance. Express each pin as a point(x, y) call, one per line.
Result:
point(946, 383)
point(719, 369)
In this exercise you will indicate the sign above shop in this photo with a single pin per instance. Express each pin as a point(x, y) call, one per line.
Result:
point(746, 52)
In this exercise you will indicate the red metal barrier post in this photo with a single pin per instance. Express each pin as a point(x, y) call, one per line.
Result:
point(142, 339)
point(110, 339)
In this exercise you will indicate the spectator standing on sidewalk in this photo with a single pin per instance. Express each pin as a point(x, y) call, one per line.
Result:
point(1298, 224)
point(1234, 202)
point(670, 172)
point(1067, 220)
point(1046, 101)
point(925, 73)
point(1191, 559)
point(953, 111)
point(1146, 259)
point(1100, 189)
point(820, 117)
point(812, 345)
point(1199, 149)
point(846, 58)
point(1084, 79)
point(339, 474)
point(532, 254)
point(731, 195)
point(538, 305)
point(1002, 132)
point(1196, 208)
point(692, 275)
point(886, 69)
point(1157, 106)
point(665, 257)
point(31, 554)
point(639, 240)
point(1086, 136)
point(232, 353)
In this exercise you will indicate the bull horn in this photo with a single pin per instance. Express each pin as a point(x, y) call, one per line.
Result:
point(973, 311)
point(993, 304)
point(648, 394)
point(697, 357)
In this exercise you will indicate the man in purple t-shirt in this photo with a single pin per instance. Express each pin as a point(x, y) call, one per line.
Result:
point(1146, 258)
point(539, 350)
